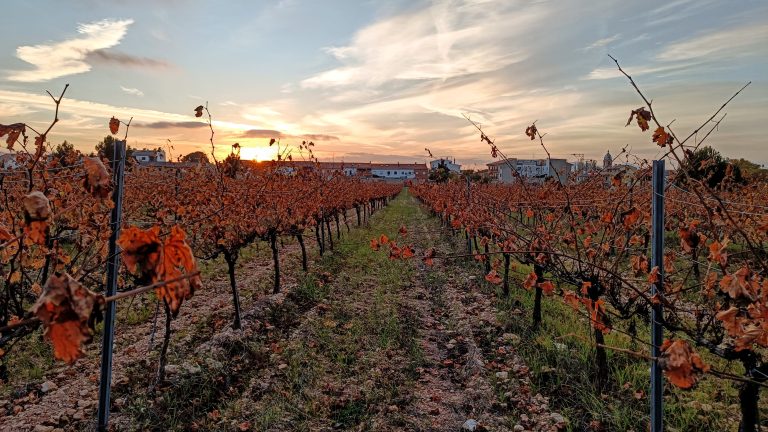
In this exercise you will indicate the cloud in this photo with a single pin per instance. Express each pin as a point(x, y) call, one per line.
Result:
point(451, 38)
point(714, 47)
point(42, 102)
point(132, 91)
point(271, 133)
point(261, 133)
point(172, 125)
point(600, 43)
point(127, 60)
point(719, 45)
point(610, 72)
point(320, 137)
point(68, 57)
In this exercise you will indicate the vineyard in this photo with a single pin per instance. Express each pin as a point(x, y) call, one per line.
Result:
point(240, 296)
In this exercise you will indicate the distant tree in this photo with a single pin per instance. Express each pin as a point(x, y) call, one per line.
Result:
point(708, 165)
point(65, 153)
point(750, 170)
point(106, 148)
point(196, 157)
point(441, 174)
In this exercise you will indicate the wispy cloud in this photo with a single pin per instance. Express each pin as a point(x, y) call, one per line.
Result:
point(610, 72)
point(600, 43)
point(69, 57)
point(271, 133)
point(452, 38)
point(125, 60)
point(132, 91)
point(262, 133)
point(719, 45)
point(174, 125)
point(713, 47)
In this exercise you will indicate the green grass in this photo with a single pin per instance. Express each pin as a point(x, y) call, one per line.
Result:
point(572, 386)
point(333, 376)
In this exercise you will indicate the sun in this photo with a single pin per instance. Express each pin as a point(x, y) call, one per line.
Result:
point(257, 153)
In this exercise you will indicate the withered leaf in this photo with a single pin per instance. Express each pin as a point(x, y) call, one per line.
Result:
point(37, 210)
point(642, 115)
point(661, 137)
point(681, 364)
point(65, 309)
point(114, 125)
point(97, 181)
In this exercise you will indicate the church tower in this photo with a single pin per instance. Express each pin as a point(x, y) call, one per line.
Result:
point(607, 160)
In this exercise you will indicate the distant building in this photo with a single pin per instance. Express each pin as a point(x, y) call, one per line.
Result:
point(366, 170)
point(413, 171)
point(581, 169)
point(493, 169)
point(625, 172)
point(607, 160)
point(147, 156)
point(451, 165)
point(10, 161)
point(533, 170)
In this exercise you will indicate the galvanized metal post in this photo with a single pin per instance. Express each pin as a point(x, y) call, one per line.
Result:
point(657, 260)
point(466, 233)
point(113, 264)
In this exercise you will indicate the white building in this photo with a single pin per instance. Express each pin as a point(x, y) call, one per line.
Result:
point(533, 170)
point(451, 165)
point(145, 156)
point(393, 171)
point(10, 161)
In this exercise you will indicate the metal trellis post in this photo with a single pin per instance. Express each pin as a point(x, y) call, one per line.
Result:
point(113, 264)
point(469, 239)
point(657, 260)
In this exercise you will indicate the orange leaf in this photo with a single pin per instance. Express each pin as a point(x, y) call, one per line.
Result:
point(531, 131)
point(643, 117)
point(731, 321)
point(639, 264)
point(65, 309)
point(493, 277)
point(394, 251)
point(682, 366)
point(653, 276)
point(630, 217)
point(585, 286)
point(428, 256)
point(547, 287)
point(571, 299)
point(530, 281)
point(13, 131)
point(37, 210)
point(114, 125)
point(97, 181)
point(144, 254)
point(661, 137)
point(717, 252)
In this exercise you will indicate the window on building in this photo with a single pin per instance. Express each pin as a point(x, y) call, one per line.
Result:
point(388, 173)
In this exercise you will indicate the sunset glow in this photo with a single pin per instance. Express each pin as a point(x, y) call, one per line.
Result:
point(380, 81)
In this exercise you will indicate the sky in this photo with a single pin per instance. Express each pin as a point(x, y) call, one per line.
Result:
point(383, 80)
